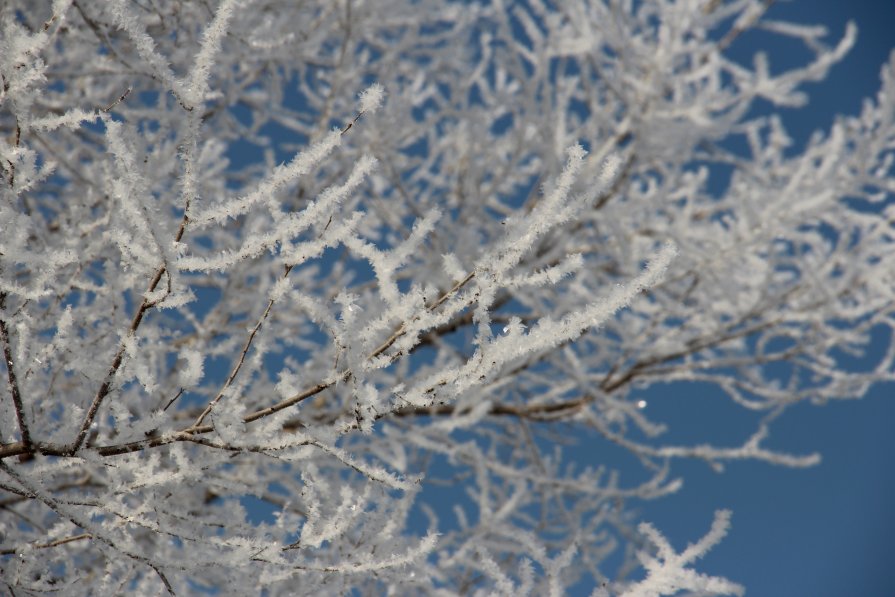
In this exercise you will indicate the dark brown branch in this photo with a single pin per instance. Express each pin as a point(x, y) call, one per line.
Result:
point(11, 380)
point(245, 350)
point(106, 386)
point(162, 577)
point(610, 384)
point(12, 166)
point(292, 400)
point(238, 366)
point(188, 434)
point(537, 412)
point(8, 551)
point(120, 99)
point(403, 328)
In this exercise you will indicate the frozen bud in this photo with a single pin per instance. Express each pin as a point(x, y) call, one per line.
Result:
point(371, 98)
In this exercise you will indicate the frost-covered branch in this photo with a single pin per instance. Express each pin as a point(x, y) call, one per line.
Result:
point(667, 572)
point(274, 274)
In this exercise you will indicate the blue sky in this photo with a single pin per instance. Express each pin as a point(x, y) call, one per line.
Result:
point(827, 530)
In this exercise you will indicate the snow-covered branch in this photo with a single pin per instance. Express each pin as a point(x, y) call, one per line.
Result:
point(330, 294)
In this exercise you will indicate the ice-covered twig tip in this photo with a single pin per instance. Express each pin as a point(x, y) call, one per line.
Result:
point(371, 98)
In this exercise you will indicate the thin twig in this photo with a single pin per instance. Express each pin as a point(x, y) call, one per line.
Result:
point(251, 337)
point(106, 386)
point(8, 551)
point(161, 575)
point(174, 399)
point(403, 328)
point(11, 380)
point(120, 99)
point(238, 366)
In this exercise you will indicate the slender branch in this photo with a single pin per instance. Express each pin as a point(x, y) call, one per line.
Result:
point(245, 349)
point(162, 576)
point(120, 99)
point(12, 166)
point(539, 412)
point(259, 414)
point(188, 434)
point(238, 366)
point(403, 328)
point(106, 386)
point(251, 337)
point(174, 399)
point(8, 551)
point(11, 380)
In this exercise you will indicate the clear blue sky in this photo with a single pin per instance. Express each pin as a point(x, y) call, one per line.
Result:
point(828, 531)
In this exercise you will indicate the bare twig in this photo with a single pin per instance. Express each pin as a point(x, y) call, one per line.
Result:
point(117, 360)
point(8, 551)
point(174, 399)
point(403, 328)
point(11, 380)
point(120, 99)
point(238, 366)
point(162, 576)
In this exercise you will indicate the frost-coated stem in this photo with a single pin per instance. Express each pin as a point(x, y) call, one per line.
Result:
point(12, 383)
